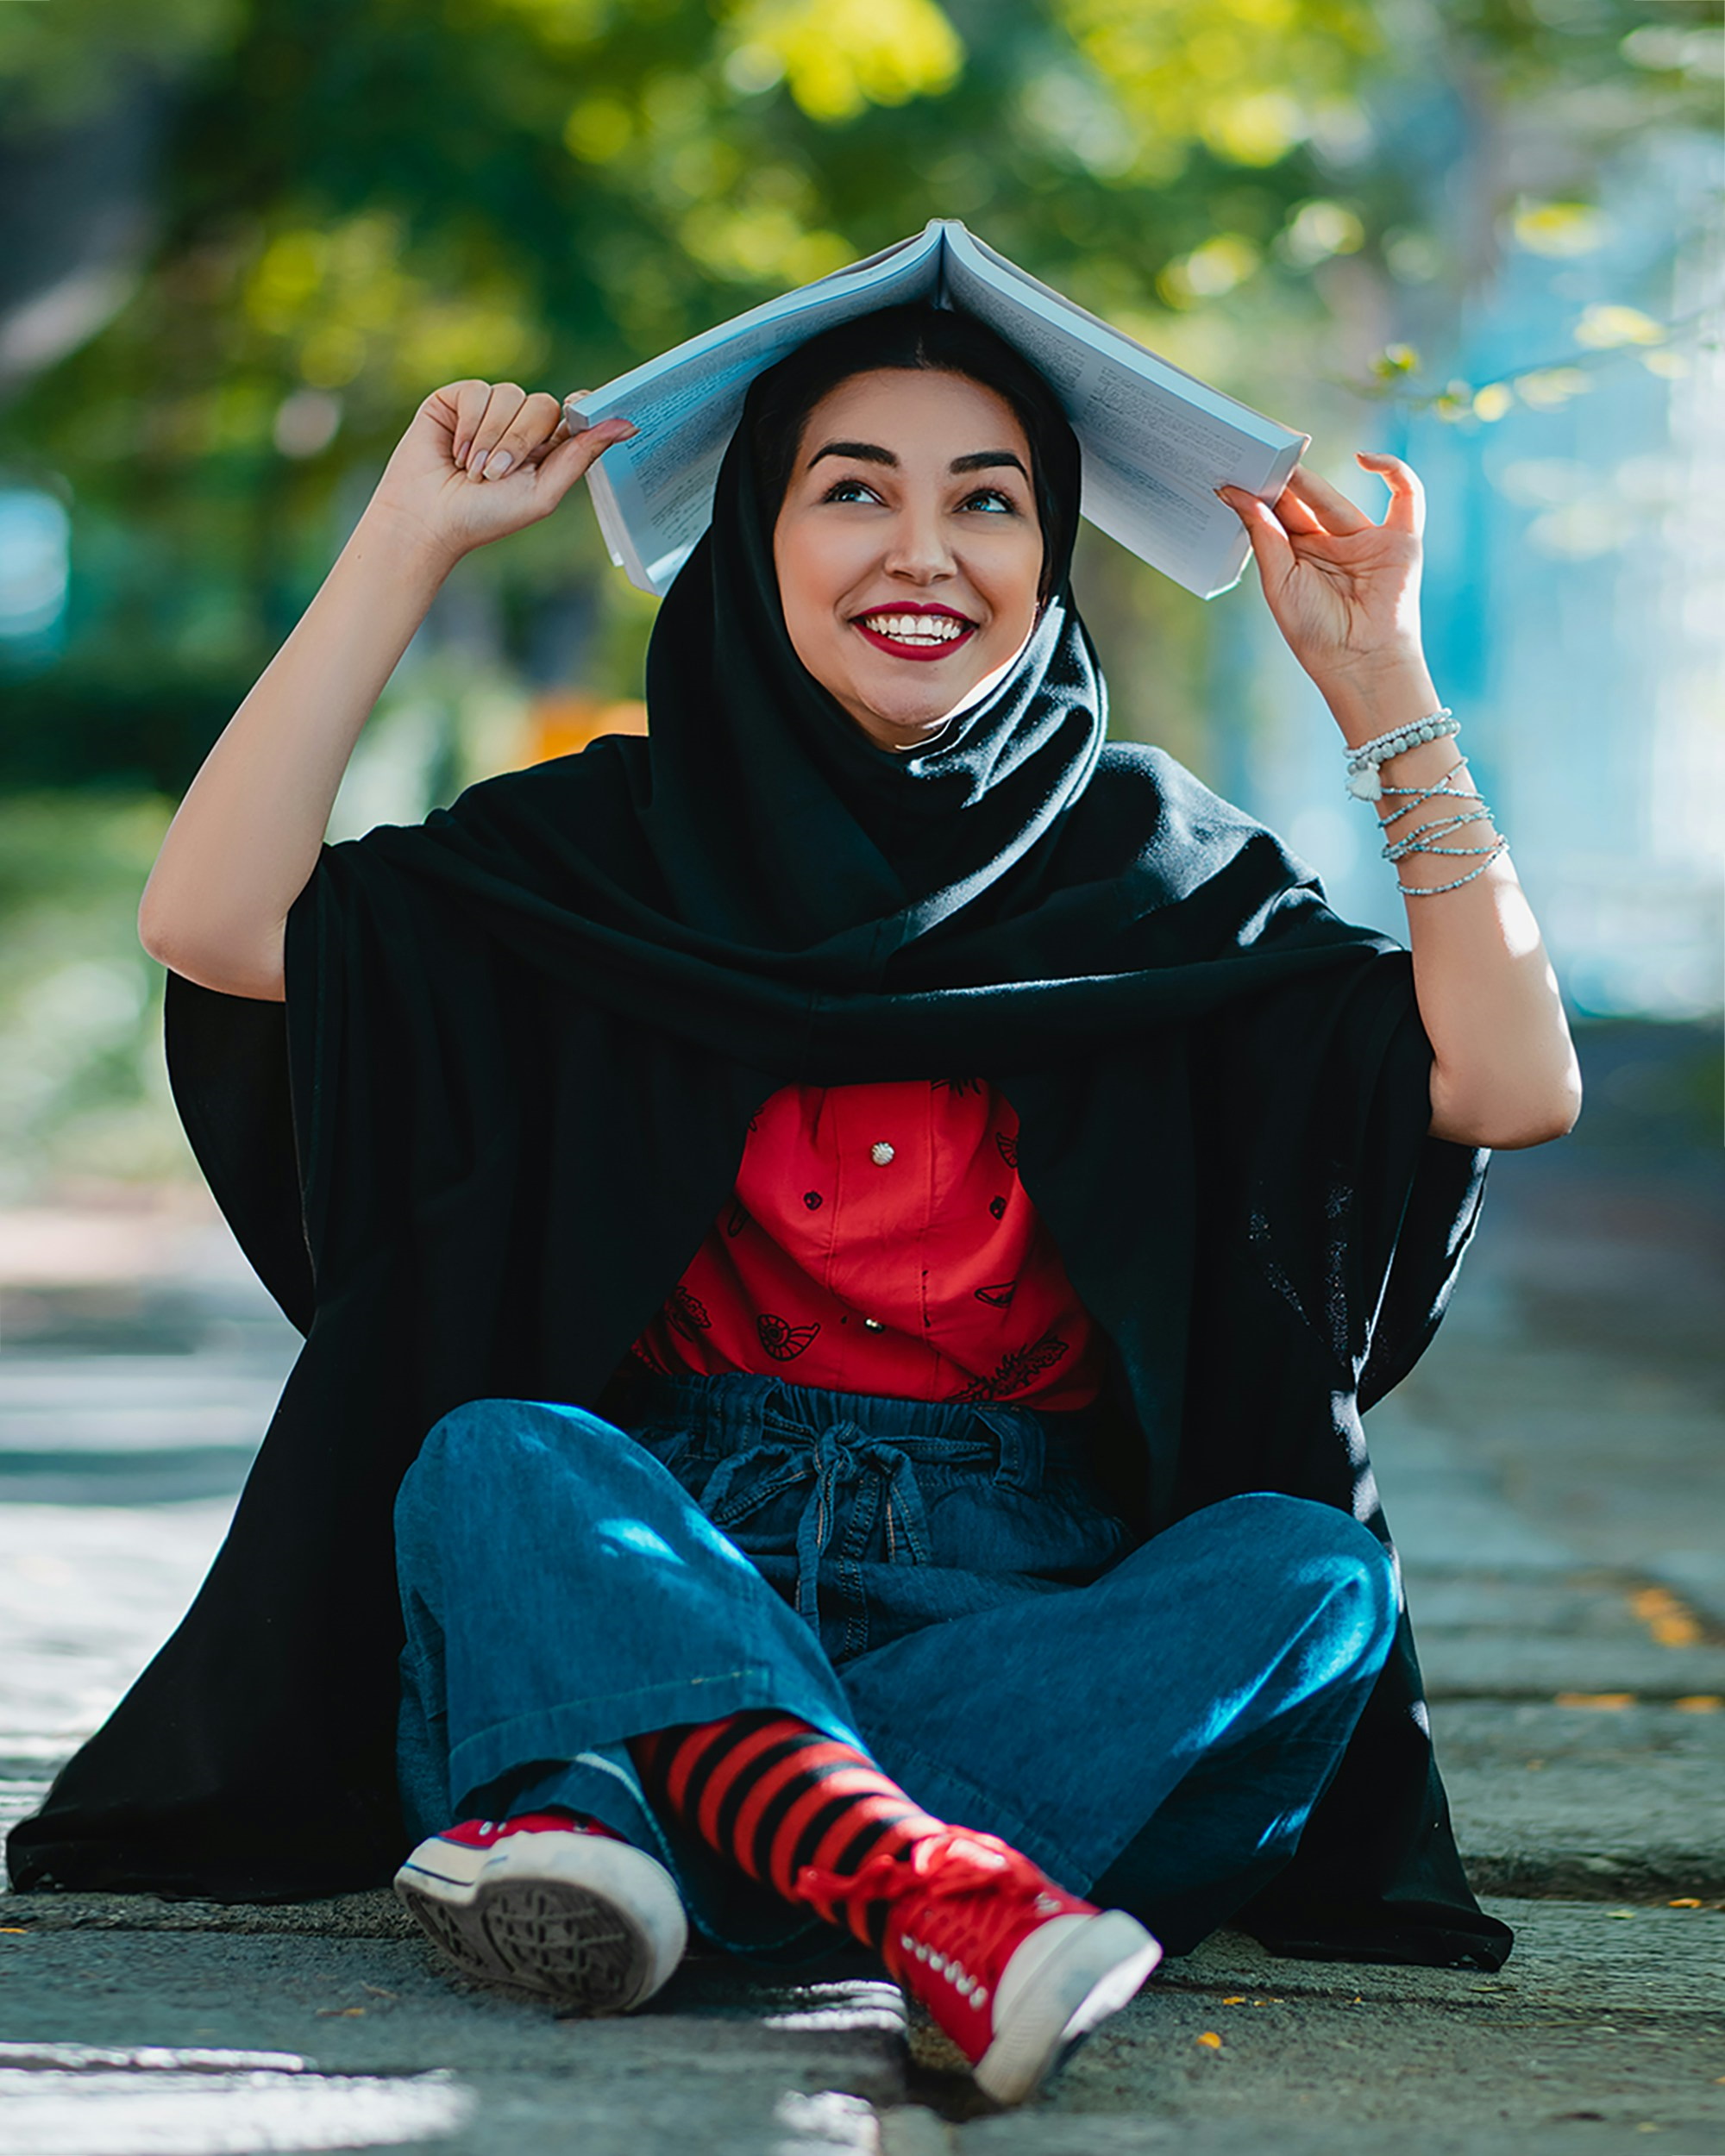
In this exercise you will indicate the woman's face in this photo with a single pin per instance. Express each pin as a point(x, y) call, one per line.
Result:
point(908, 548)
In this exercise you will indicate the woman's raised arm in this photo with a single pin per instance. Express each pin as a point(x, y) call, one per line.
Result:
point(478, 460)
point(1345, 592)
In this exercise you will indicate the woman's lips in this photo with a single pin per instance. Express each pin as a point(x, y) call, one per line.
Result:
point(899, 649)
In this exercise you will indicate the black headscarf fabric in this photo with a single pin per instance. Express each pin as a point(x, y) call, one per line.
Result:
point(509, 1092)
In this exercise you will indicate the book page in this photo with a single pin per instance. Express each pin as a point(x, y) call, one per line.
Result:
point(654, 494)
point(965, 251)
point(1156, 443)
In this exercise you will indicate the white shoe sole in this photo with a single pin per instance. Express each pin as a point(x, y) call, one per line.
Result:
point(587, 1919)
point(1098, 1968)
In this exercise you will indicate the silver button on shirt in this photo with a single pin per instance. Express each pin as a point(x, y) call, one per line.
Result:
point(879, 1152)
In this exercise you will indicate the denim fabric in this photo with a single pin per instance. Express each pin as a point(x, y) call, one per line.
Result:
point(945, 1586)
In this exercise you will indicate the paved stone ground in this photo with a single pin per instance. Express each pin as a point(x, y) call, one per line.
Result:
point(1556, 1478)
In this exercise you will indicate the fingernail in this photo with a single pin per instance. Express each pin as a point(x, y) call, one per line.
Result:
point(500, 463)
point(476, 465)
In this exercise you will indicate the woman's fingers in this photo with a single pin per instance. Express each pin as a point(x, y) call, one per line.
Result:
point(468, 433)
point(1296, 516)
point(1407, 511)
point(1270, 541)
point(1310, 504)
point(497, 450)
point(558, 434)
point(587, 444)
point(1333, 509)
point(471, 397)
point(498, 428)
point(503, 406)
point(568, 459)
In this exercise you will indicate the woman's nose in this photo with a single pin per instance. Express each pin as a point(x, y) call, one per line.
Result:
point(917, 550)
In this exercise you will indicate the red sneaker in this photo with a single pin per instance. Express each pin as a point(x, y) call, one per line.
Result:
point(549, 1902)
point(1015, 1970)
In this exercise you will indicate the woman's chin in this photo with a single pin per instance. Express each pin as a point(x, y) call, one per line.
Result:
point(906, 721)
point(902, 730)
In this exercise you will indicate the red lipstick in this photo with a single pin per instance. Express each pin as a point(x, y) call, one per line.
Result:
point(899, 650)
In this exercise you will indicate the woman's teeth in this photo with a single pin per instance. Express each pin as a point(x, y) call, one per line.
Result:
point(917, 629)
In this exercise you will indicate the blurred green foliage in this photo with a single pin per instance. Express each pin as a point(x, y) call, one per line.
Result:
point(354, 200)
point(83, 1098)
point(361, 198)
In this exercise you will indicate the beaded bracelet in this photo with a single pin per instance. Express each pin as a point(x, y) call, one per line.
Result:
point(1417, 796)
point(1433, 890)
point(1363, 780)
point(1419, 842)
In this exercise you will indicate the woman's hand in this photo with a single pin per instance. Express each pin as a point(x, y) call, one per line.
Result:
point(481, 459)
point(1344, 591)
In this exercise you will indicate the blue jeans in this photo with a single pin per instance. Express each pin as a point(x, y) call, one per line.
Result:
point(945, 1586)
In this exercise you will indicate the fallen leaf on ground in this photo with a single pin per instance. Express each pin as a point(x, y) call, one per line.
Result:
point(1670, 1621)
point(1210, 2041)
point(1607, 1703)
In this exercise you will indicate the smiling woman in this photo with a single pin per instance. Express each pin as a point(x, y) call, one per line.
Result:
point(909, 584)
point(848, 1240)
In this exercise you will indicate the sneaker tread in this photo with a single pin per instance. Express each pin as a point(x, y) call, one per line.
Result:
point(546, 1936)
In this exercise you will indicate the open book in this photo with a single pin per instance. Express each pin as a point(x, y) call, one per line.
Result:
point(1156, 440)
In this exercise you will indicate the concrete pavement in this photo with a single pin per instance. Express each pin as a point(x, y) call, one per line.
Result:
point(1556, 1479)
point(1604, 2027)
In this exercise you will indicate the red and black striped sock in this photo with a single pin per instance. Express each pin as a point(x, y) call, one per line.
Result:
point(776, 1795)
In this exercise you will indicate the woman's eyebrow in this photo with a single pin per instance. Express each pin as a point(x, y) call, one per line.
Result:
point(983, 459)
point(872, 453)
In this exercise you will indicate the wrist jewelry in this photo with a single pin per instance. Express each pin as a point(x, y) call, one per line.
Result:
point(1363, 780)
point(1425, 835)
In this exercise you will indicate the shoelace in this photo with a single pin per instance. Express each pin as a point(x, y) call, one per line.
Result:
point(978, 1886)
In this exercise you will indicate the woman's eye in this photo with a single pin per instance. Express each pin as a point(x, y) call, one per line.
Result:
point(991, 497)
point(848, 491)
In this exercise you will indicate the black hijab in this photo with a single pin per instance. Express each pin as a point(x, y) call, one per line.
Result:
point(854, 852)
point(508, 1091)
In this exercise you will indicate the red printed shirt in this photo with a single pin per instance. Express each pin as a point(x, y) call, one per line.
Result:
point(880, 1241)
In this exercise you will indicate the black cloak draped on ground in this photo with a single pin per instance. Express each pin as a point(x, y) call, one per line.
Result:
point(509, 1090)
